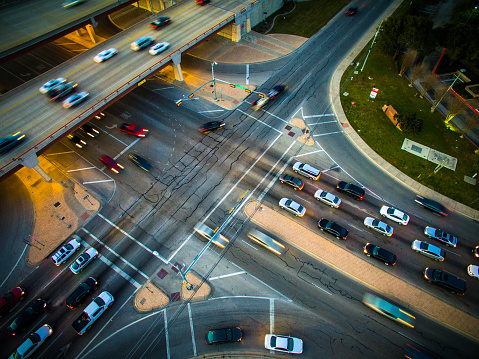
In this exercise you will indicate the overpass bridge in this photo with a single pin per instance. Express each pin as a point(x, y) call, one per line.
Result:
point(26, 110)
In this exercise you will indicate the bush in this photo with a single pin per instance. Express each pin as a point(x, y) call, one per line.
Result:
point(409, 123)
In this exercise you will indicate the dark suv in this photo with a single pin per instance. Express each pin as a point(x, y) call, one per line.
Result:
point(77, 297)
point(351, 189)
point(380, 254)
point(333, 228)
point(445, 279)
point(431, 205)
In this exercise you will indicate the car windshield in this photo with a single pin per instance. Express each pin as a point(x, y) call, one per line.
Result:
point(68, 247)
point(288, 202)
point(300, 208)
point(35, 338)
point(424, 245)
point(376, 223)
point(99, 301)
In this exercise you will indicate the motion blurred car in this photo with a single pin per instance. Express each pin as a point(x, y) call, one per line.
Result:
point(206, 232)
point(266, 241)
point(260, 103)
point(389, 310)
point(70, 3)
point(34, 340)
point(105, 55)
point(76, 140)
point(141, 43)
point(75, 99)
point(283, 343)
point(111, 163)
point(67, 250)
point(441, 236)
point(446, 280)
point(52, 84)
point(328, 198)
point(157, 48)
point(10, 299)
point(9, 142)
point(307, 170)
point(202, 2)
point(473, 271)
point(26, 316)
point(83, 260)
point(394, 215)
point(89, 130)
point(61, 91)
point(225, 335)
point(292, 206)
point(79, 295)
point(160, 22)
point(294, 182)
point(429, 250)
point(378, 226)
point(431, 205)
point(333, 228)
point(210, 126)
point(380, 254)
point(134, 130)
point(351, 11)
point(140, 162)
point(351, 189)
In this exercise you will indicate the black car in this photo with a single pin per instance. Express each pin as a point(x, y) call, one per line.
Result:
point(225, 335)
point(333, 228)
point(77, 297)
point(475, 251)
point(140, 162)
point(296, 183)
point(379, 253)
point(89, 130)
point(351, 189)
point(61, 91)
point(431, 205)
point(76, 140)
point(9, 142)
point(26, 316)
point(160, 22)
point(210, 126)
point(446, 280)
point(351, 11)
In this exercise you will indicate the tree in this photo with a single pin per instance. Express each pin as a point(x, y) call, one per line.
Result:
point(429, 82)
point(409, 123)
point(417, 72)
point(461, 42)
point(388, 40)
point(407, 60)
point(454, 107)
point(470, 122)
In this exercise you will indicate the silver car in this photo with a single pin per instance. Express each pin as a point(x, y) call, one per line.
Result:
point(34, 340)
point(429, 250)
point(67, 250)
point(378, 226)
point(306, 170)
point(293, 207)
point(395, 215)
point(328, 198)
point(441, 236)
point(82, 261)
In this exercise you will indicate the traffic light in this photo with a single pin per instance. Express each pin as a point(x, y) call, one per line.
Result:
point(247, 90)
point(191, 95)
point(260, 95)
point(179, 102)
point(232, 85)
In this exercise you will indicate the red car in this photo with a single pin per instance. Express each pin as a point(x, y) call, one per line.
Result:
point(111, 163)
point(133, 129)
point(10, 299)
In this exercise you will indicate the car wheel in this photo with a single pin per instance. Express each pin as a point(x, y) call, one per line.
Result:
point(296, 171)
point(296, 215)
point(384, 234)
point(417, 251)
point(321, 229)
point(368, 255)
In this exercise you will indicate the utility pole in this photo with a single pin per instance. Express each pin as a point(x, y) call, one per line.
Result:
point(371, 47)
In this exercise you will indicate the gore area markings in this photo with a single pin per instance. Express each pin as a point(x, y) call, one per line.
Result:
point(192, 329)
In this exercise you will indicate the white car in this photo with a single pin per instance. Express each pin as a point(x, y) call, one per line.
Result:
point(75, 99)
point(292, 206)
point(82, 261)
point(67, 250)
point(307, 170)
point(141, 43)
point(105, 55)
point(283, 343)
point(32, 343)
point(52, 84)
point(328, 198)
point(429, 250)
point(394, 215)
point(377, 225)
point(473, 271)
point(157, 48)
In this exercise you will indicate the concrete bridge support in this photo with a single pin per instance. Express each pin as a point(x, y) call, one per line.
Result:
point(177, 67)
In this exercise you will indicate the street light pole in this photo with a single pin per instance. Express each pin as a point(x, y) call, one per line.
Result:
point(213, 74)
point(472, 12)
point(457, 77)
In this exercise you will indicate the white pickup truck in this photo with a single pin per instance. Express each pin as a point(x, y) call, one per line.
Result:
point(92, 312)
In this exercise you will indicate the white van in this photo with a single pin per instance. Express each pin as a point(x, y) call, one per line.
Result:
point(306, 170)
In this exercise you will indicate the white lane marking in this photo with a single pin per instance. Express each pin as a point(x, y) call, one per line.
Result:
point(82, 169)
point(167, 337)
point(313, 116)
point(329, 169)
point(325, 291)
point(321, 123)
point(192, 329)
point(132, 238)
point(127, 301)
point(226, 275)
point(164, 88)
point(310, 153)
point(126, 149)
point(60, 153)
point(109, 134)
point(211, 111)
point(15, 266)
point(326, 134)
point(279, 118)
point(119, 271)
point(254, 118)
point(240, 296)
point(116, 254)
point(271, 319)
point(249, 244)
point(90, 182)
point(229, 192)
